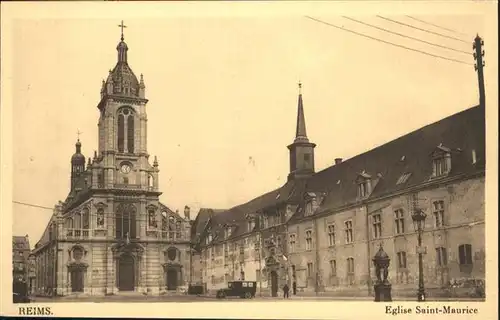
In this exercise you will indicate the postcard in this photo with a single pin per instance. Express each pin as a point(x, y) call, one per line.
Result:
point(315, 160)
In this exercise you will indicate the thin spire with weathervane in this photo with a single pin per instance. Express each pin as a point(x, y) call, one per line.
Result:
point(300, 132)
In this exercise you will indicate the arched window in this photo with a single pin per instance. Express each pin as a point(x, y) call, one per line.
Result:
point(150, 180)
point(77, 253)
point(86, 218)
point(78, 220)
point(177, 229)
point(125, 221)
point(126, 128)
point(130, 137)
point(171, 227)
point(100, 218)
point(152, 218)
point(121, 138)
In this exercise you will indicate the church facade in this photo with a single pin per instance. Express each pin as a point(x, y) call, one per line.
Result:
point(112, 234)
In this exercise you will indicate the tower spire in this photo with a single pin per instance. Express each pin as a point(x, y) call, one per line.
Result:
point(301, 150)
point(300, 132)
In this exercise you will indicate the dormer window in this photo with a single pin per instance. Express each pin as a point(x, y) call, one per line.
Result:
point(309, 208)
point(250, 225)
point(311, 203)
point(441, 161)
point(364, 185)
point(227, 232)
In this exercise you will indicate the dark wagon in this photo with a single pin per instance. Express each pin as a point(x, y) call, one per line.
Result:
point(242, 289)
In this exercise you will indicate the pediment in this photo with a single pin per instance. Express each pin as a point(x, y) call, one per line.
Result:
point(440, 150)
point(100, 205)
point(363, 176)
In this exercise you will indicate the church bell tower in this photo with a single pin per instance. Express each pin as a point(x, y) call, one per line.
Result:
point(301, 150)
point(122, 126)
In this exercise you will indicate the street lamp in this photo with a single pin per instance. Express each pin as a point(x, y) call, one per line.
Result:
point(418, 218)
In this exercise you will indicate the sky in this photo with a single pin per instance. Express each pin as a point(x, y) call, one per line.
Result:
point(223, 97)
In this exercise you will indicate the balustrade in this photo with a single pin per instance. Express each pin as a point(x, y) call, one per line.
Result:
point(77, 233)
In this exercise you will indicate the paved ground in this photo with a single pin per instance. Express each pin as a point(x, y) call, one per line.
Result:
point(186, 298)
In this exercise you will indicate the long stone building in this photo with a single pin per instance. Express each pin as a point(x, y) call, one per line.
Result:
point(320, 230)
point(111, 234)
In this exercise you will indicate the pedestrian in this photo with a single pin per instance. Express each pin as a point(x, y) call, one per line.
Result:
point(286, 290)
point(294, 287)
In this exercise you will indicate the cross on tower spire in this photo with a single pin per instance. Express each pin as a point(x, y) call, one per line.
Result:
point(121, 25)
point(78, 133)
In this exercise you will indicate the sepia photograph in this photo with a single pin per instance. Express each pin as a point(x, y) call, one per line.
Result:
point(291, 157)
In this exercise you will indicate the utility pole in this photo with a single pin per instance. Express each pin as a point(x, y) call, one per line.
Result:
point(478, 66)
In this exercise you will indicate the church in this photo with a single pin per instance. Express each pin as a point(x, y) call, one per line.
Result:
point(317, 233)
point(111, 234)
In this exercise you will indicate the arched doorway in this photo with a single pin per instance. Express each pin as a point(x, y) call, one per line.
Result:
point(172, 278)
point(126, 273)
point(274, 283)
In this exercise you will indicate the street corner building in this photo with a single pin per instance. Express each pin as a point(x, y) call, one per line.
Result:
point(112, 234)
point(21, 259)
point(318, 232)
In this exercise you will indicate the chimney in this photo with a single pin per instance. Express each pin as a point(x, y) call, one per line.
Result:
point(187, 213)
point(338, 160)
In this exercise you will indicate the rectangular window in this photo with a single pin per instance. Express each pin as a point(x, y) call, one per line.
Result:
point(350, 266)
point(333, 268)
point(441, 257)
point(331, 235)
point(310, 270)
point(401, 260)
point(399, 221)
point(377, 226)
point(440, 167)
point(465, 254)
point(308, 240)
point(348, 231)
point(292, 242)
point(226, 254)
point(438, 212)
point(125, 180)
point(362, 190)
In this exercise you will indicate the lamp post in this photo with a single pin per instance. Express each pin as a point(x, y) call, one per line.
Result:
point(418, 218)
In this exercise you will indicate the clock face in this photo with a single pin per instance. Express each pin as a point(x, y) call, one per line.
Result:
point(125, 168)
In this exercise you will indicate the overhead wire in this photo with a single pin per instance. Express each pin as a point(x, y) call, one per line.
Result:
point(406, 36)
point(421, 29)
point(32, 205)
point(388, 42)
point(437, 26)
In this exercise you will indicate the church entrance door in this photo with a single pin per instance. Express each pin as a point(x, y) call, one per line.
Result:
point(126, 273)
point(77, 280)
point(172, 276)
point(274, 284)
